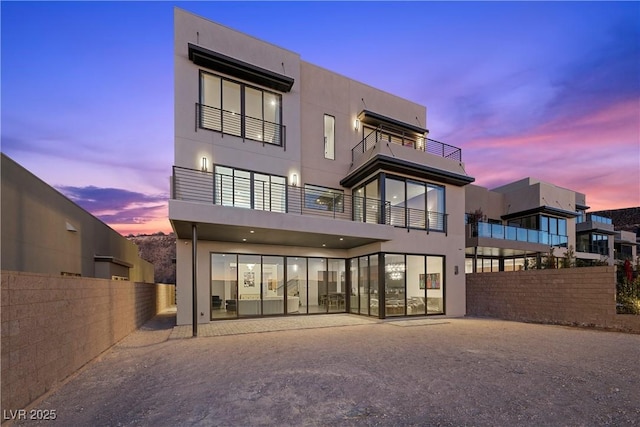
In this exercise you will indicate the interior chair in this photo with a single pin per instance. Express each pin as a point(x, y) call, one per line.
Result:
point(216, 302)
point(231, 305)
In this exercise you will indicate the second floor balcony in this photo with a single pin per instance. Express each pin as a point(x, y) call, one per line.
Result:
point(594, 223)
point(592, 248)
point(405, 139)
point(269, 196)
point(516, 234)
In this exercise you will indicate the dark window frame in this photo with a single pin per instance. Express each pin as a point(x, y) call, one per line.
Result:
point(243, 115)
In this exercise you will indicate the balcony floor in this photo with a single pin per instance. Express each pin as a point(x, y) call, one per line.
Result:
point(229, 224)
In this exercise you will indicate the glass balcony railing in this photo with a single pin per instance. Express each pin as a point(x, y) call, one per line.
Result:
point(594, 218)
point(592, 248)
point(507, 232)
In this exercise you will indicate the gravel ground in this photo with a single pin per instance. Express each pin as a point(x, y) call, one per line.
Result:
point(440, 372)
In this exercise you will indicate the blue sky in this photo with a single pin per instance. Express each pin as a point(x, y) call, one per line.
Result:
point(549, 90)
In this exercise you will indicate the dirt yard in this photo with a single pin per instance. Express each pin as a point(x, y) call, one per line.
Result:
point(446, 372)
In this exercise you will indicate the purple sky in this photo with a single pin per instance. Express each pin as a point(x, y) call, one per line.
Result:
point(549, 90)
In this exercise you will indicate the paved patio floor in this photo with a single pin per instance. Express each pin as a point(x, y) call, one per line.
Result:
point(344, 370)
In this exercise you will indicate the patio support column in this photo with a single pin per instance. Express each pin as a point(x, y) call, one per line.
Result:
point(382, 300)
point(475, 259)
point(194, 278)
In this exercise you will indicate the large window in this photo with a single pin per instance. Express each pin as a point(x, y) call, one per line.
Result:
point(329, 137)
point(407, 203)
point(238, 109)
point(262, 285)
point(366, 203)
point(395, 272)
point(297, 284)
point(323, 198)
point(244, 285)
point(251, 190)
point(555, 230)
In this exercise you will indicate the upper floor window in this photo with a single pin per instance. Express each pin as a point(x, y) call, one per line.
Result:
point(401, 202)
point(251, 190)
point(329, 137)
point(238, 109)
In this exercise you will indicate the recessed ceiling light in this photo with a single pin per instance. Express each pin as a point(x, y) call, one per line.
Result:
point(251, 231)
point(342, 238)
point(323, 245)
point(244, 240)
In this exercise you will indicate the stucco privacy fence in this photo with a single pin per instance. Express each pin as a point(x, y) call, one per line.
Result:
point(53, 325)
point(570, 296)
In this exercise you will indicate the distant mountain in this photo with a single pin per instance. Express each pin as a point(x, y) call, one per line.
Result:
point(160, 250)
point(627, 219)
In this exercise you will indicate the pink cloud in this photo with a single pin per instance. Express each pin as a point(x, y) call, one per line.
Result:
point(597, 154)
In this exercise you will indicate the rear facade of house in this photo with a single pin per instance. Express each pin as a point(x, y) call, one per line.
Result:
point(298, 191)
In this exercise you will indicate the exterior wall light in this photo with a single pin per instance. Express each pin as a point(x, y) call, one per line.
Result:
point(356, 124)
point(205, 167)
point(294, 179)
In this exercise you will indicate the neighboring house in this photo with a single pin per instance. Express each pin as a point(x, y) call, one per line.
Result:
point(625, 246)
point(515, 226)
point(45, 232)
point(297, 190)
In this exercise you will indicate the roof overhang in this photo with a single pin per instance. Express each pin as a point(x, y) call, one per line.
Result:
point(391, 164)
point(243, 70)
point(265, 236)
point(112, 260)
point(239, 225)
point(375, 119)
point(544, 210)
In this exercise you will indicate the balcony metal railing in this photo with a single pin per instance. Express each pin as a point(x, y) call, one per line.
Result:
point(384, 135)
point(233, 123)
point(508, 232)
point(226, 190)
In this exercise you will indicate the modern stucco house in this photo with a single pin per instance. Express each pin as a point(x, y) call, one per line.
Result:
point(296, 190)
point(45, 232)
point(512, 226)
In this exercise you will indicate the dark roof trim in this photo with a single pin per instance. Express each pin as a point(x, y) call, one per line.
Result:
point(371, 118)
point(240, 69)
point(582, 207)
point(390, 164)
point(542, 209)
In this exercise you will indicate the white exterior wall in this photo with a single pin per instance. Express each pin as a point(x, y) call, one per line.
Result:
point(192, 145)
point(316, 92)
point(325, 92)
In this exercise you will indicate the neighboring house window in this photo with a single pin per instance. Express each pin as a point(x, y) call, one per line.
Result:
point(329, 137)
point(555, 230)
point(323, 198)
point(238, 109)
point(251, 190)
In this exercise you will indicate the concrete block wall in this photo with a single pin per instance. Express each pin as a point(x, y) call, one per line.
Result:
point(572, 296)
point(53, 325)
point(165, 296)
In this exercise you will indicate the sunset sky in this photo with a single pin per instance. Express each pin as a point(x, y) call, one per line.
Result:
point(548, 90)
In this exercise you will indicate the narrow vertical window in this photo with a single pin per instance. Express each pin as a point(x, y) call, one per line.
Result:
point(329, 137)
